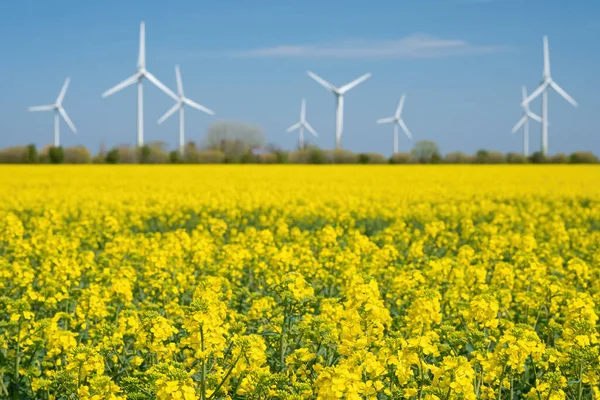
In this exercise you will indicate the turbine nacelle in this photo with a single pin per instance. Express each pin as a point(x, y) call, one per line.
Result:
point(339, 94)
point(547, 81)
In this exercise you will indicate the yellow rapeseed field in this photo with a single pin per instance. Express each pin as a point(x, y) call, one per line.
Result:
point(300, 282)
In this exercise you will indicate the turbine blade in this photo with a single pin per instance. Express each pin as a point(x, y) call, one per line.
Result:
point(198, 106)
point(323, 82)
point(63, 91)
point(386, 120)
point(161, 86)
point(535, 94)
point(519, 124)
point(294, 127)
point(67, 119)
point(546, 58)
point(179, 81)
point(170, 112)
point(303, 111)
point(534, 117)
point(524, 92)
point(127, 82)
point(42, 108)
point(400, 106)
point(310, 129)
point(564, 94)
point(354, 83)
point(142, 55)
point(405, 129)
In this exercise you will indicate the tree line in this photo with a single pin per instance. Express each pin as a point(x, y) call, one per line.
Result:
point(229, 142)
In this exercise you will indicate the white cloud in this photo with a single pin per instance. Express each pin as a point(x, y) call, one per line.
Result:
point(413, 46)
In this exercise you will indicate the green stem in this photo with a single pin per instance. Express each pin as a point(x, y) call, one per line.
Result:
point(203, 385)
point(225, 377)
point(18, 353)
point(282, 343)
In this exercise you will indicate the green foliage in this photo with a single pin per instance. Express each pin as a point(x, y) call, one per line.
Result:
point(459, 158)
point(235, 139)
point(32, 154)
point(204, 157)
point(113, 156)
point(583, 157)
point(559, 158)
point(174, 157)
point(77, 155)
point(56, 155)
point(489, 157)
point(372, 158)
point(342, 157)
point(516, 158)
point(426, 151)
point(538, 158)
point(401, 158)
point(13, 155)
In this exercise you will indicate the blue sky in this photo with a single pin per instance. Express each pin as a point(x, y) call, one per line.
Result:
point(460, 62)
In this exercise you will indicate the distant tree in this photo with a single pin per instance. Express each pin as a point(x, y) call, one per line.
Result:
point(537, 158)
point(583, 157)
point(77, 155)
point(174, 157)
point(459, 157)
point(235, 139)
point(113, 156)
point(559, 158)
point(401, 158)
point(56, 155)
point(426, 151)
point(481, 156)
point(32, 154)
point(516, 158)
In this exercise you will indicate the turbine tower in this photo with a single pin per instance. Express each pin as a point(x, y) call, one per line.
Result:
point(58, 109)
point(547, 82)
point(524, 122)
point(180, 105)
point(138, 78)
point(301, 125)
point(339, 96)
point(398, 122)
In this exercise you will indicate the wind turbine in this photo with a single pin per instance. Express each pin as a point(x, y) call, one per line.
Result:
point(300, 125)
point(181, 102)
point(524, 122)
point(58, 109)
point(398, 122)
point(339, 96)
point(547, 82)
point(138, 78)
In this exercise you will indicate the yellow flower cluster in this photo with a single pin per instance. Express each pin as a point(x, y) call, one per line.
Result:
point(300, 282)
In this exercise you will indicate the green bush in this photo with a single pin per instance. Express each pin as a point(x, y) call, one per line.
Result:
point(32, 154)
point(13, 155)
point(113, 156)
point(559, 158)
point(401, 158)
point(205, 157)
point(309, 155)
point(174, 157)
point(266, 158)
point(56, 155)
point(538, 158)
point(371, 158)
point(459, 158)
point(583, 157)
point(427, 152)
point(516, 158)
point(77, 155)
point(341, 157)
